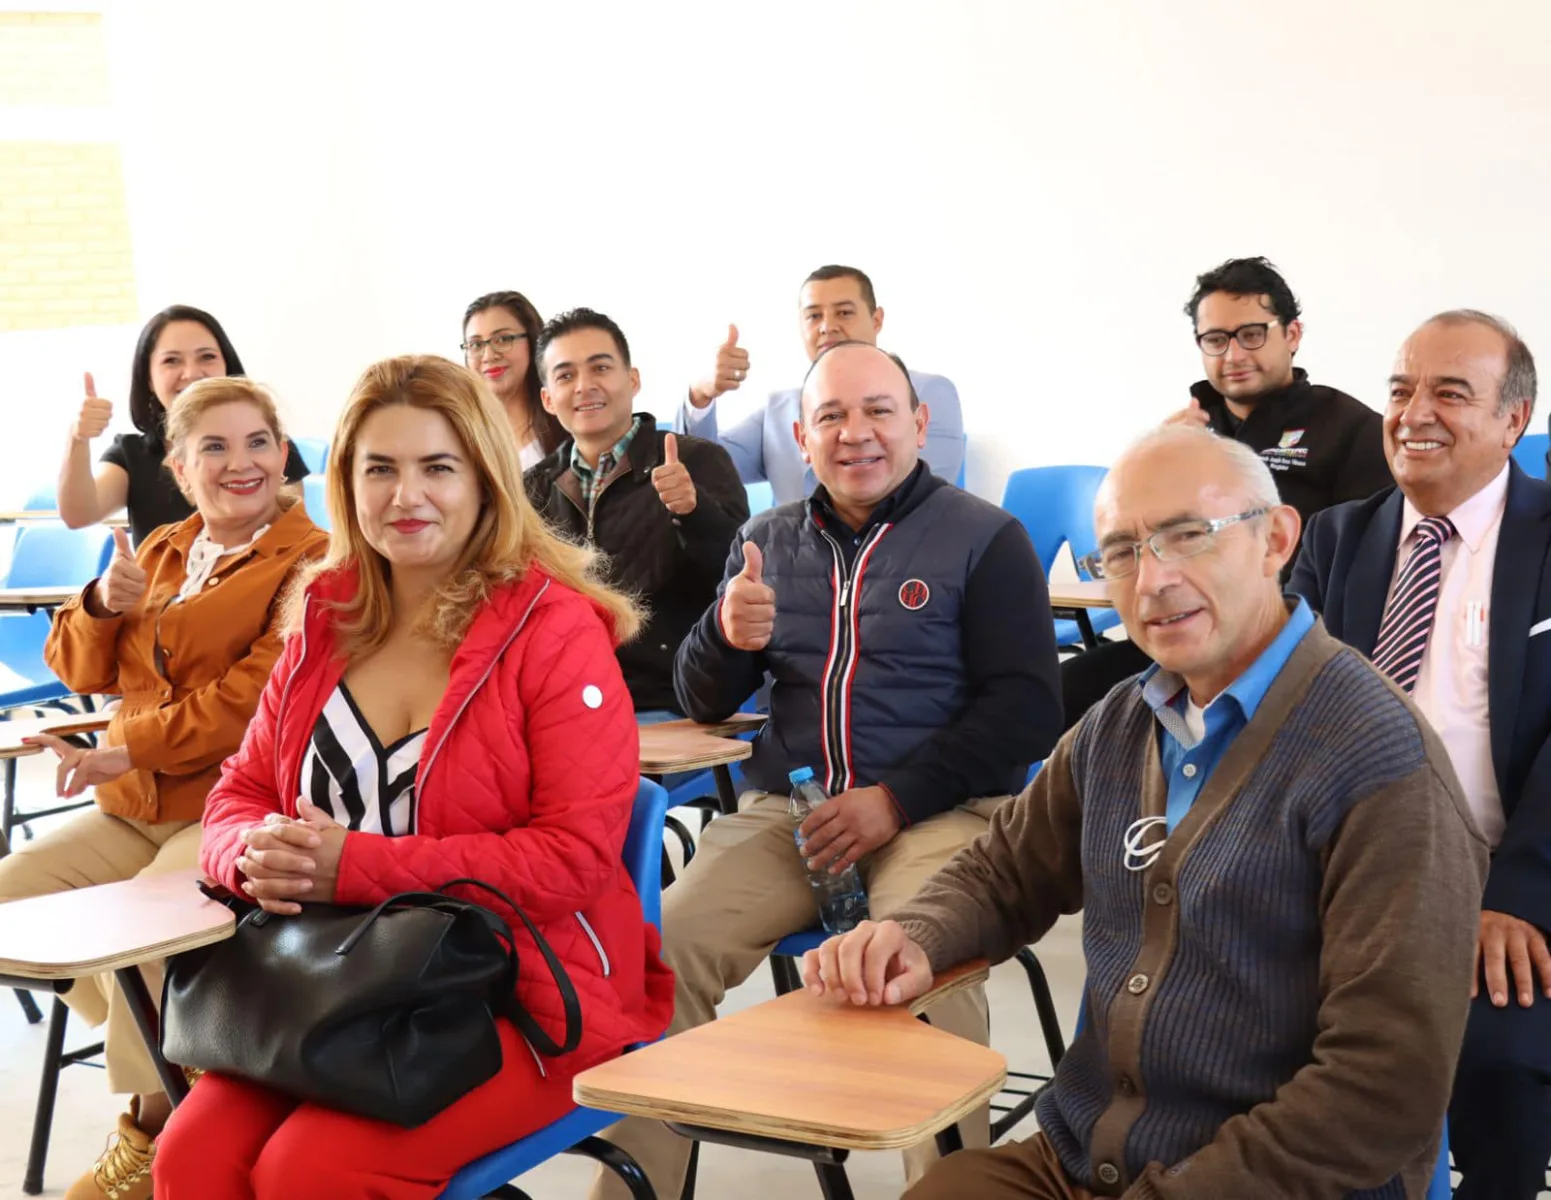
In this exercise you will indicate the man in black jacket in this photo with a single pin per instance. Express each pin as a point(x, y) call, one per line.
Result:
point(1323, 446)
point(663, 507)
point(906, 627)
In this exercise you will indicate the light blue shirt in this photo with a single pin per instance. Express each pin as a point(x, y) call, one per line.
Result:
point(1188, 763)
point(763, 447)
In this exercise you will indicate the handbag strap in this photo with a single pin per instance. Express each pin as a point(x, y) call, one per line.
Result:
point(514, 1011)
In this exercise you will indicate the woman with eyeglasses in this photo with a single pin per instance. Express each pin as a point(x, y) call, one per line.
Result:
point(178, 347)
point(498, 334)
point(186, 631)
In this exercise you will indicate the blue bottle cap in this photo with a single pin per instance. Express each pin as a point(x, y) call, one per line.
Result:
point(801, 775)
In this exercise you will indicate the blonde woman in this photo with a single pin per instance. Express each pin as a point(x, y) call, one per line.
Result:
point(448, 706)
point(186, 631)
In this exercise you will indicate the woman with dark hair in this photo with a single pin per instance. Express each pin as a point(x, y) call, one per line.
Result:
point(499, 330)
point(178, 346)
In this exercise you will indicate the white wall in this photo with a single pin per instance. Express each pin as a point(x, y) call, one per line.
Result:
point(1032, 185)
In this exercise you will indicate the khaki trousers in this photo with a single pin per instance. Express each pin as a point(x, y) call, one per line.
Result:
point(745, 890)
point(1016, 1171)
point(98, 848)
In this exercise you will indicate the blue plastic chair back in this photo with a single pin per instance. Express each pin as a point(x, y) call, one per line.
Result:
point(643, 860)
point(49, 555)
point(24, 677)
point(1530, 454)
point(45, 499)
point(45, 556)
point(314, 452)
point(314, 499)
point(1441, 1186)
point(643, 847)
point(1055, 505)
point(761, 496)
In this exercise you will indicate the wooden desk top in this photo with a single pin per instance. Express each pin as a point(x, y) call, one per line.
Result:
point(678, 746)
point(802, 1069)
point(87, 931)
point(1080, 593)
point(16, 516)
point(36, 597)
point(739, 722)
point(61, 724)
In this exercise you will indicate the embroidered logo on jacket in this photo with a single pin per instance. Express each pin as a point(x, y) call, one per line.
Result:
point(914, 594)
point(1290, 438)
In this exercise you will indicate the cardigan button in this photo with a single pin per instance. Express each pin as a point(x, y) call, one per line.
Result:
point(1109, 1173)
point(1126, 1085)
point(1136, 985)
point(1163, 894)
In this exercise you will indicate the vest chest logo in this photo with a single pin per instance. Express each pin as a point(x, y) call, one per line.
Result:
point(1290, 438)
point(914, 594)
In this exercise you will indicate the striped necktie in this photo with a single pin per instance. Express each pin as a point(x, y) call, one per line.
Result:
point(1413, 604)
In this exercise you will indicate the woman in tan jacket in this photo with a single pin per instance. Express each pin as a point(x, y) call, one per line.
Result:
point(186, 632)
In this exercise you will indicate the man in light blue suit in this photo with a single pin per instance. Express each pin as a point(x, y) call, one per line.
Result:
point(837, 304)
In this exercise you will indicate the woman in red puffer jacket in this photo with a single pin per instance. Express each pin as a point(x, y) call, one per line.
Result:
point(448, 705)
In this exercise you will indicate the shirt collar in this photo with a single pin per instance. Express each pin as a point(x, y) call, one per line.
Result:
point(1161, 688)
point(886, 508)
point(614, 454)
point(1473, 519)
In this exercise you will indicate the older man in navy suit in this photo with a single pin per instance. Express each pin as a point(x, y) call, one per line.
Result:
point(1445, 581)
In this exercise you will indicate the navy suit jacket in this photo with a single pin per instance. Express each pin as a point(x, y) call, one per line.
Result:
point(1344, 569)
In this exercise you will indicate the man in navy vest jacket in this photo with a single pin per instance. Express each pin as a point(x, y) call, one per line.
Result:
point(906, 627)
point(1479, 668)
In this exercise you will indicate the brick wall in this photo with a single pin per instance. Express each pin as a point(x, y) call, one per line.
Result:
point(53, 60)
point(65, 253)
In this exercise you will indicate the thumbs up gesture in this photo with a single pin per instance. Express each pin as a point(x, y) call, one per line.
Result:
point(674, 487)
point(123, 584)
point(94, 415)
point(748, 604)
point(727, 375)
point(1192, 415)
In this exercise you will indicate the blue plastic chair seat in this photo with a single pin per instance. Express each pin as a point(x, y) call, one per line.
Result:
point(643, 860)
point(1067, 633)
point(484, 1175)
point(795, 945)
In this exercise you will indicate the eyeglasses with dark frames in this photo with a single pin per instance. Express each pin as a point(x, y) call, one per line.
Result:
point(1214, 342)
point(501, 343)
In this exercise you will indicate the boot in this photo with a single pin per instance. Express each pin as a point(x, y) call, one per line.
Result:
point(124, 1170)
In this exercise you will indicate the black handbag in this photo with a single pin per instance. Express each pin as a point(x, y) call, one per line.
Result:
point(386, 1012)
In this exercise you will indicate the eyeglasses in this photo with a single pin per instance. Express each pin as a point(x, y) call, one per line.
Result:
point(1214, 342)
point(501, 343)
point(1185, 540)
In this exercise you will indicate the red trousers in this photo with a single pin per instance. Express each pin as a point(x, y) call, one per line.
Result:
point(232, 1140)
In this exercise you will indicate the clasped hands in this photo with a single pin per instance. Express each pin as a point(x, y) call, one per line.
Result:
point(287, 860)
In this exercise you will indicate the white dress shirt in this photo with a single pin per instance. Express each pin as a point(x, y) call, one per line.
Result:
point(1451, 688)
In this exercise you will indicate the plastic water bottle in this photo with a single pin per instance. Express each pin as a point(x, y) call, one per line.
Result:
point(842, 899)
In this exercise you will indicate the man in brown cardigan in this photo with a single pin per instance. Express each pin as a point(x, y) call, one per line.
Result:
point(1278, 875)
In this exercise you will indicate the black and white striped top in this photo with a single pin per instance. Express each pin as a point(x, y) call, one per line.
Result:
point(353, 777)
